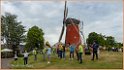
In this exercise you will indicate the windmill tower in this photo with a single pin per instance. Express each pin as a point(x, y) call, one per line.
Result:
point(72, 29)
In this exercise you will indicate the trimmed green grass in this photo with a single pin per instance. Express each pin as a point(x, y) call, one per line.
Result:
point(107, 60)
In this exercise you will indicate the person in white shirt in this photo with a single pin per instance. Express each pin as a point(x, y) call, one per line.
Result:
point(26, 57)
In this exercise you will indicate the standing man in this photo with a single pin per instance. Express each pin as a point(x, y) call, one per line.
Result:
point(95, 50)
point(80, 52)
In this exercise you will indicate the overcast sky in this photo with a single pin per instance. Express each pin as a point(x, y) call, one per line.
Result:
point(100, 17)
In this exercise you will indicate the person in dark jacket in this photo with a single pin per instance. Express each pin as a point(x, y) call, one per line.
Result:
point(95, 47)
point(63, 52)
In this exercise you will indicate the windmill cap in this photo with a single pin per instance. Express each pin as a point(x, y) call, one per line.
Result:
point(70, 20)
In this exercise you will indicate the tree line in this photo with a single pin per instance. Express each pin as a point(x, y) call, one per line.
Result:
point(105, 41)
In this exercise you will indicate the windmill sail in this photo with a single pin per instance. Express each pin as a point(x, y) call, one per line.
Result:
point(81, 32)
point(64, 19)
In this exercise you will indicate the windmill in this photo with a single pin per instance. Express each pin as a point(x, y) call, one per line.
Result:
point(72, 29)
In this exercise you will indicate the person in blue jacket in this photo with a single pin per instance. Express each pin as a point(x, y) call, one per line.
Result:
point(71, 48)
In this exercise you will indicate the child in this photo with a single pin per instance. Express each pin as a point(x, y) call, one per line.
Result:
point(48, 51)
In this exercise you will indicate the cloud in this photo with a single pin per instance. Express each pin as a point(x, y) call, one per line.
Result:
point(101, 17)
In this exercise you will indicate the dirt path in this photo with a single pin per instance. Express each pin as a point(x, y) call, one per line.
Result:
point(5, 63)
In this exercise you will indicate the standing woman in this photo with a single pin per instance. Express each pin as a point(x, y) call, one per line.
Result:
point(81, 52)
point(49, 50)
point(25, 57)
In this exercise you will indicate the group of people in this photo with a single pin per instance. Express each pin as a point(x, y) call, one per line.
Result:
point(78, 49)
point(61, 52)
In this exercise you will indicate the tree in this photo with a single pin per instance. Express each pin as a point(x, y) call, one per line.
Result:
point(110, 41)
point(100, 39)
point(12, 30)
point(94, 36)
point(91, 37)
point(35, 38)
point(118, 45)
point(2, 26)
point(103, 40)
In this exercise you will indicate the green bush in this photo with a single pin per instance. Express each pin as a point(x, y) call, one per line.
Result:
point(7, 54)
point(20, 55)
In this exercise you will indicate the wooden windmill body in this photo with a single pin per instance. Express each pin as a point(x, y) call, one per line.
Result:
point(72, 32)
point(72, 29)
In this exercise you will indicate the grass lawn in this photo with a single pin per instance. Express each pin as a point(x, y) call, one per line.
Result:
point(107, 60)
